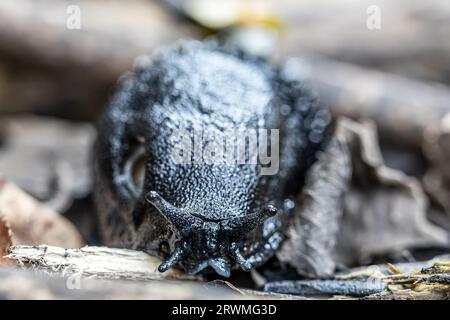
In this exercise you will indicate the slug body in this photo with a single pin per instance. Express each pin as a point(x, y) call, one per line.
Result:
point(198, 213)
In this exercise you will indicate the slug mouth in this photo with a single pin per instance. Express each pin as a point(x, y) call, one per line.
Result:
point(203, 242)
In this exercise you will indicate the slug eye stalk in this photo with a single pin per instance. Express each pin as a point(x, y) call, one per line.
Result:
point(205, 243)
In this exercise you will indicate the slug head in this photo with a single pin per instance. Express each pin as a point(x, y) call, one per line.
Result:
point(204, 242)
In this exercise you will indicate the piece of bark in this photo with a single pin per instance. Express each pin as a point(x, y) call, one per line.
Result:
point(98, 262)
point(385, 210)
point(32, 223)
point(402, 108)
point(312, 234)
point(35, 285)
point(104, 273)
point(47, 157)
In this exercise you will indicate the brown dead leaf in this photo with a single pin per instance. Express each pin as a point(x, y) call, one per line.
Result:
point(382, 210)
point(385, 209)
point(312, 236)
point(436, 146)
point(5, 241)
point(32, 223)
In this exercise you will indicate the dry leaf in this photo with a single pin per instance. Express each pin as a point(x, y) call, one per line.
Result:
point(312, 236)
point(385, 210)
point(32, 223)
point(5, 241)
point(436, 147)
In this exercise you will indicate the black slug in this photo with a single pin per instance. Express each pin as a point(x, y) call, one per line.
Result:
point(200, 154)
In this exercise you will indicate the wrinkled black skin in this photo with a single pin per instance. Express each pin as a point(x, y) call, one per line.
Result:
point(218, 88)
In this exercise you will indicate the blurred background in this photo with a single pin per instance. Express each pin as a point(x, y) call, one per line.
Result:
point(387, 61)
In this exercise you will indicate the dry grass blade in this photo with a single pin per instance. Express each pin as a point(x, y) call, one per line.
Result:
point(431, 283)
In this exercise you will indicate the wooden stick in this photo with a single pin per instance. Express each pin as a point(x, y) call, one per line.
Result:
point(100, 262)
point(106, 273)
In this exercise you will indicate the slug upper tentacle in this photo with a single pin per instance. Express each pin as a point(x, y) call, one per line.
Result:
point(227, 233)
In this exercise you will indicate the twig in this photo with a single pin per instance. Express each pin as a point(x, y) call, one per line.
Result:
point(99, 262)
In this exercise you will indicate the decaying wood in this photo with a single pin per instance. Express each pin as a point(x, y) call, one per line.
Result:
point(98, 262)
point(402, 108)
point(106, 273)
